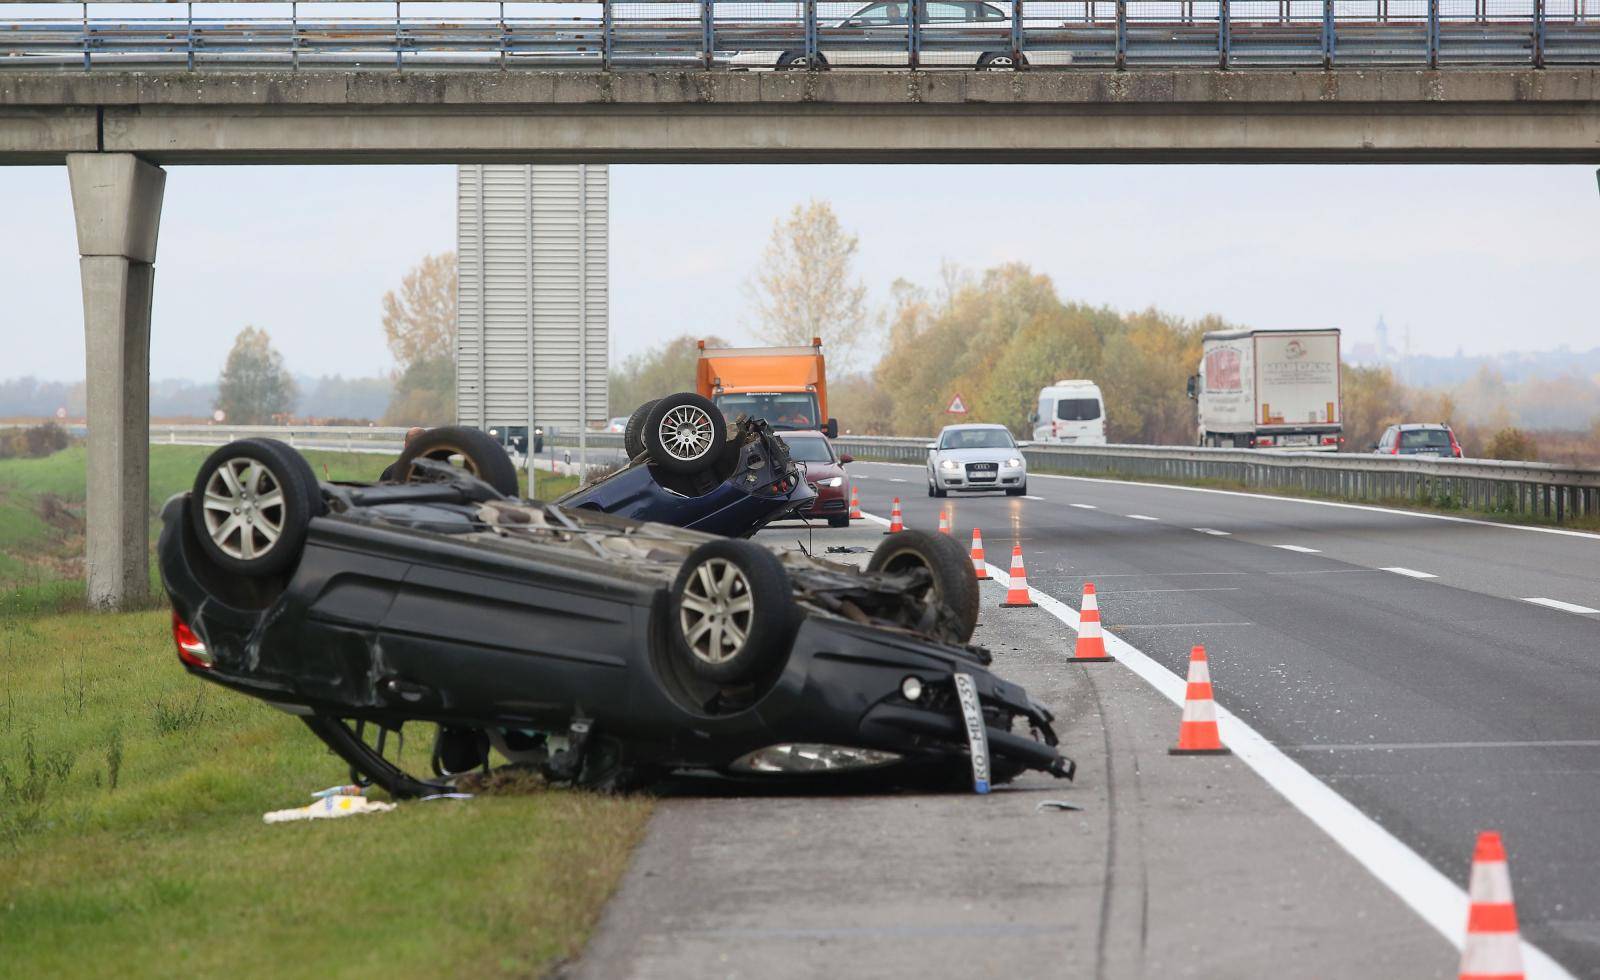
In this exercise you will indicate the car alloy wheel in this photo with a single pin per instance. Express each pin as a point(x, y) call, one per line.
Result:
point(717, 611)
point(686, 432)
point(244, 509)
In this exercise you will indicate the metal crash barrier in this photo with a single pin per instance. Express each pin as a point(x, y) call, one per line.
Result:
point(809, 34)
point(1541, 490)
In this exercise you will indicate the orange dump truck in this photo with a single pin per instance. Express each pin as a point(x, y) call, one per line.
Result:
point(787, 386)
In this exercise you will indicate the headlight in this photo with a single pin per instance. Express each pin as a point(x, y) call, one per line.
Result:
point(837, 481)
point(911, 688)
point(1013, 462)
point(811, 758)
point(949, 464)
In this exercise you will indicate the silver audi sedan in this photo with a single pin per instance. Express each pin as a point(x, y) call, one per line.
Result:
point(976, 457)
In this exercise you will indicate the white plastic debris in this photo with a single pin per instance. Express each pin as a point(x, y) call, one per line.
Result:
point(328, 807)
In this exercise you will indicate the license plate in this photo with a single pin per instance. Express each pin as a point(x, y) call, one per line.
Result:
point(977, 735)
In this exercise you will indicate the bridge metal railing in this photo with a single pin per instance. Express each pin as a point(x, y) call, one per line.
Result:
point(1540, 490)
point(803, 34)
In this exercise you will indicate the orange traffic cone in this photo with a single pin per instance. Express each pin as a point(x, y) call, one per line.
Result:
point(1493, 948)
point(1017, 596)
point(980, 568)
point(896, 522)
point(1091, 642)
point(855, 505)
point(944, 520)
point(1197, 733)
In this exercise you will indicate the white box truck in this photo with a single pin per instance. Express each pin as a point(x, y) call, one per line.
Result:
point(1269, 389)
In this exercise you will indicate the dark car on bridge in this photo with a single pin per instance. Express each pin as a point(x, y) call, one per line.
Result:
point(588, 648)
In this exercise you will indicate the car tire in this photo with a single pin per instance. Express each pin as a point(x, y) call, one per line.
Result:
point(251, 505)
point(481, 456)
point(839, 521)
point(797, 61)
point(732, 646)
point(952, 581)
point(685, 433)
point(633, 432)
point(1001, 61)
point(937, 491)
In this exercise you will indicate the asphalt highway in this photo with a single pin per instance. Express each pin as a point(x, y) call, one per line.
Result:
point(1442, 675)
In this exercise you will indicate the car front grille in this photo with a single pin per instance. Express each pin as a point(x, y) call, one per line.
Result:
point(979, 472)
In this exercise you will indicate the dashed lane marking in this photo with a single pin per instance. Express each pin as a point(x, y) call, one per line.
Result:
point(1214, 531)
point(1438, 900)
point(1409, 572)
point(1571, 607)
point(1085, 506)
point(895, 479)
point(1302, 549)
point(1029, 496)
point(1143, 517)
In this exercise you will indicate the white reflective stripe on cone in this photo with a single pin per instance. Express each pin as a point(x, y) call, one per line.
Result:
point(1089, 628)
point(1492, 954)
point(1200, 710)
point(1490, 884)
point(1199, 672)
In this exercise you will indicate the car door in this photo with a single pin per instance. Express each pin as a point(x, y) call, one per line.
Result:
point(877, 34)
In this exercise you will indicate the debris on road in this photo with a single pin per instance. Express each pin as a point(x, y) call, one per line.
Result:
point(1055, 805)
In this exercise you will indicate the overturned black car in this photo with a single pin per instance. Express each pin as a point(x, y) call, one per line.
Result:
point(594, 649)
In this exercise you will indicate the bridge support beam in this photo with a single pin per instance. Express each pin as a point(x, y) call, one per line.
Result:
point(116, 198)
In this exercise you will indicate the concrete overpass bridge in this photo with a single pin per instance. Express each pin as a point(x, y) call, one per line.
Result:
point(115, 128)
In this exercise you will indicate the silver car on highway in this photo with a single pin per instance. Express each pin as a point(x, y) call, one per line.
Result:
point(976, 457)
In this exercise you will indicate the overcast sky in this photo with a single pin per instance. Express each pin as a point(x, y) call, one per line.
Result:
point(1486, 259)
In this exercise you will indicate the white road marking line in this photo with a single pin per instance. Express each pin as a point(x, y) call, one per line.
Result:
point(1570, 607)
point(1085, 506)
point(895, 479)
point(1218, 588)
point(1409, 572)
point(1300, 548)
point(1439, 901)
point(1214, 531)
point(1171, 626)
point(1029, 496)
point(1575, 743)
point(1142, 517)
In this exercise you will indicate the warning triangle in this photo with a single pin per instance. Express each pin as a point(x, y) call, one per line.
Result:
point(958, 406)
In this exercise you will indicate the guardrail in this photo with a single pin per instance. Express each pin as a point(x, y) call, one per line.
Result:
point(1542, 490)
point(821, 34)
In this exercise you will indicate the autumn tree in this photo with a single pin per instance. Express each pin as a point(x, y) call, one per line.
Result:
point(806, 286)
point(254, 385)
point(656, 372)
point(419, 324)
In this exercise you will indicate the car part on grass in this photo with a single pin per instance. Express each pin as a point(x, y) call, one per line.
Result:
point(470, 449)
point(328, 807)
point(937, 569)
point(558, 637)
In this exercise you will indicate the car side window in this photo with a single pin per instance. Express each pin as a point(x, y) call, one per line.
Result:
point(948, 13)
point(988, 12)
point(879, 15)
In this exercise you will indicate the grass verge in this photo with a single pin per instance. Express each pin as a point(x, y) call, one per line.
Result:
point(41, 515)
point(131, 838)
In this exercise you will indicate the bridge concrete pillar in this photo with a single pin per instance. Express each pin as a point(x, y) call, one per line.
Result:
point(116, 198)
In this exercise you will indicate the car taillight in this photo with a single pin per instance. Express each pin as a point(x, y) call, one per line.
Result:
point(1263, 440)
point(1396, 450)
point(190, 650)
point(1330, 440)
point(1455, 447)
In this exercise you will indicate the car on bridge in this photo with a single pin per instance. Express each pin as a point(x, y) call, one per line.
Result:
point(1418, 439)
point(976, 456)
point(953, 34)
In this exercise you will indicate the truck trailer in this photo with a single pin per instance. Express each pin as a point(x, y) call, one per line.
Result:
point(1269, 389)
point(786, 386)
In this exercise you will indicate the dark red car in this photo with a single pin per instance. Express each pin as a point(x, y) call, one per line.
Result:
point(825, 472)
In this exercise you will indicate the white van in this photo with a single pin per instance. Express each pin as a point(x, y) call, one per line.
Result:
point(1071, 413)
